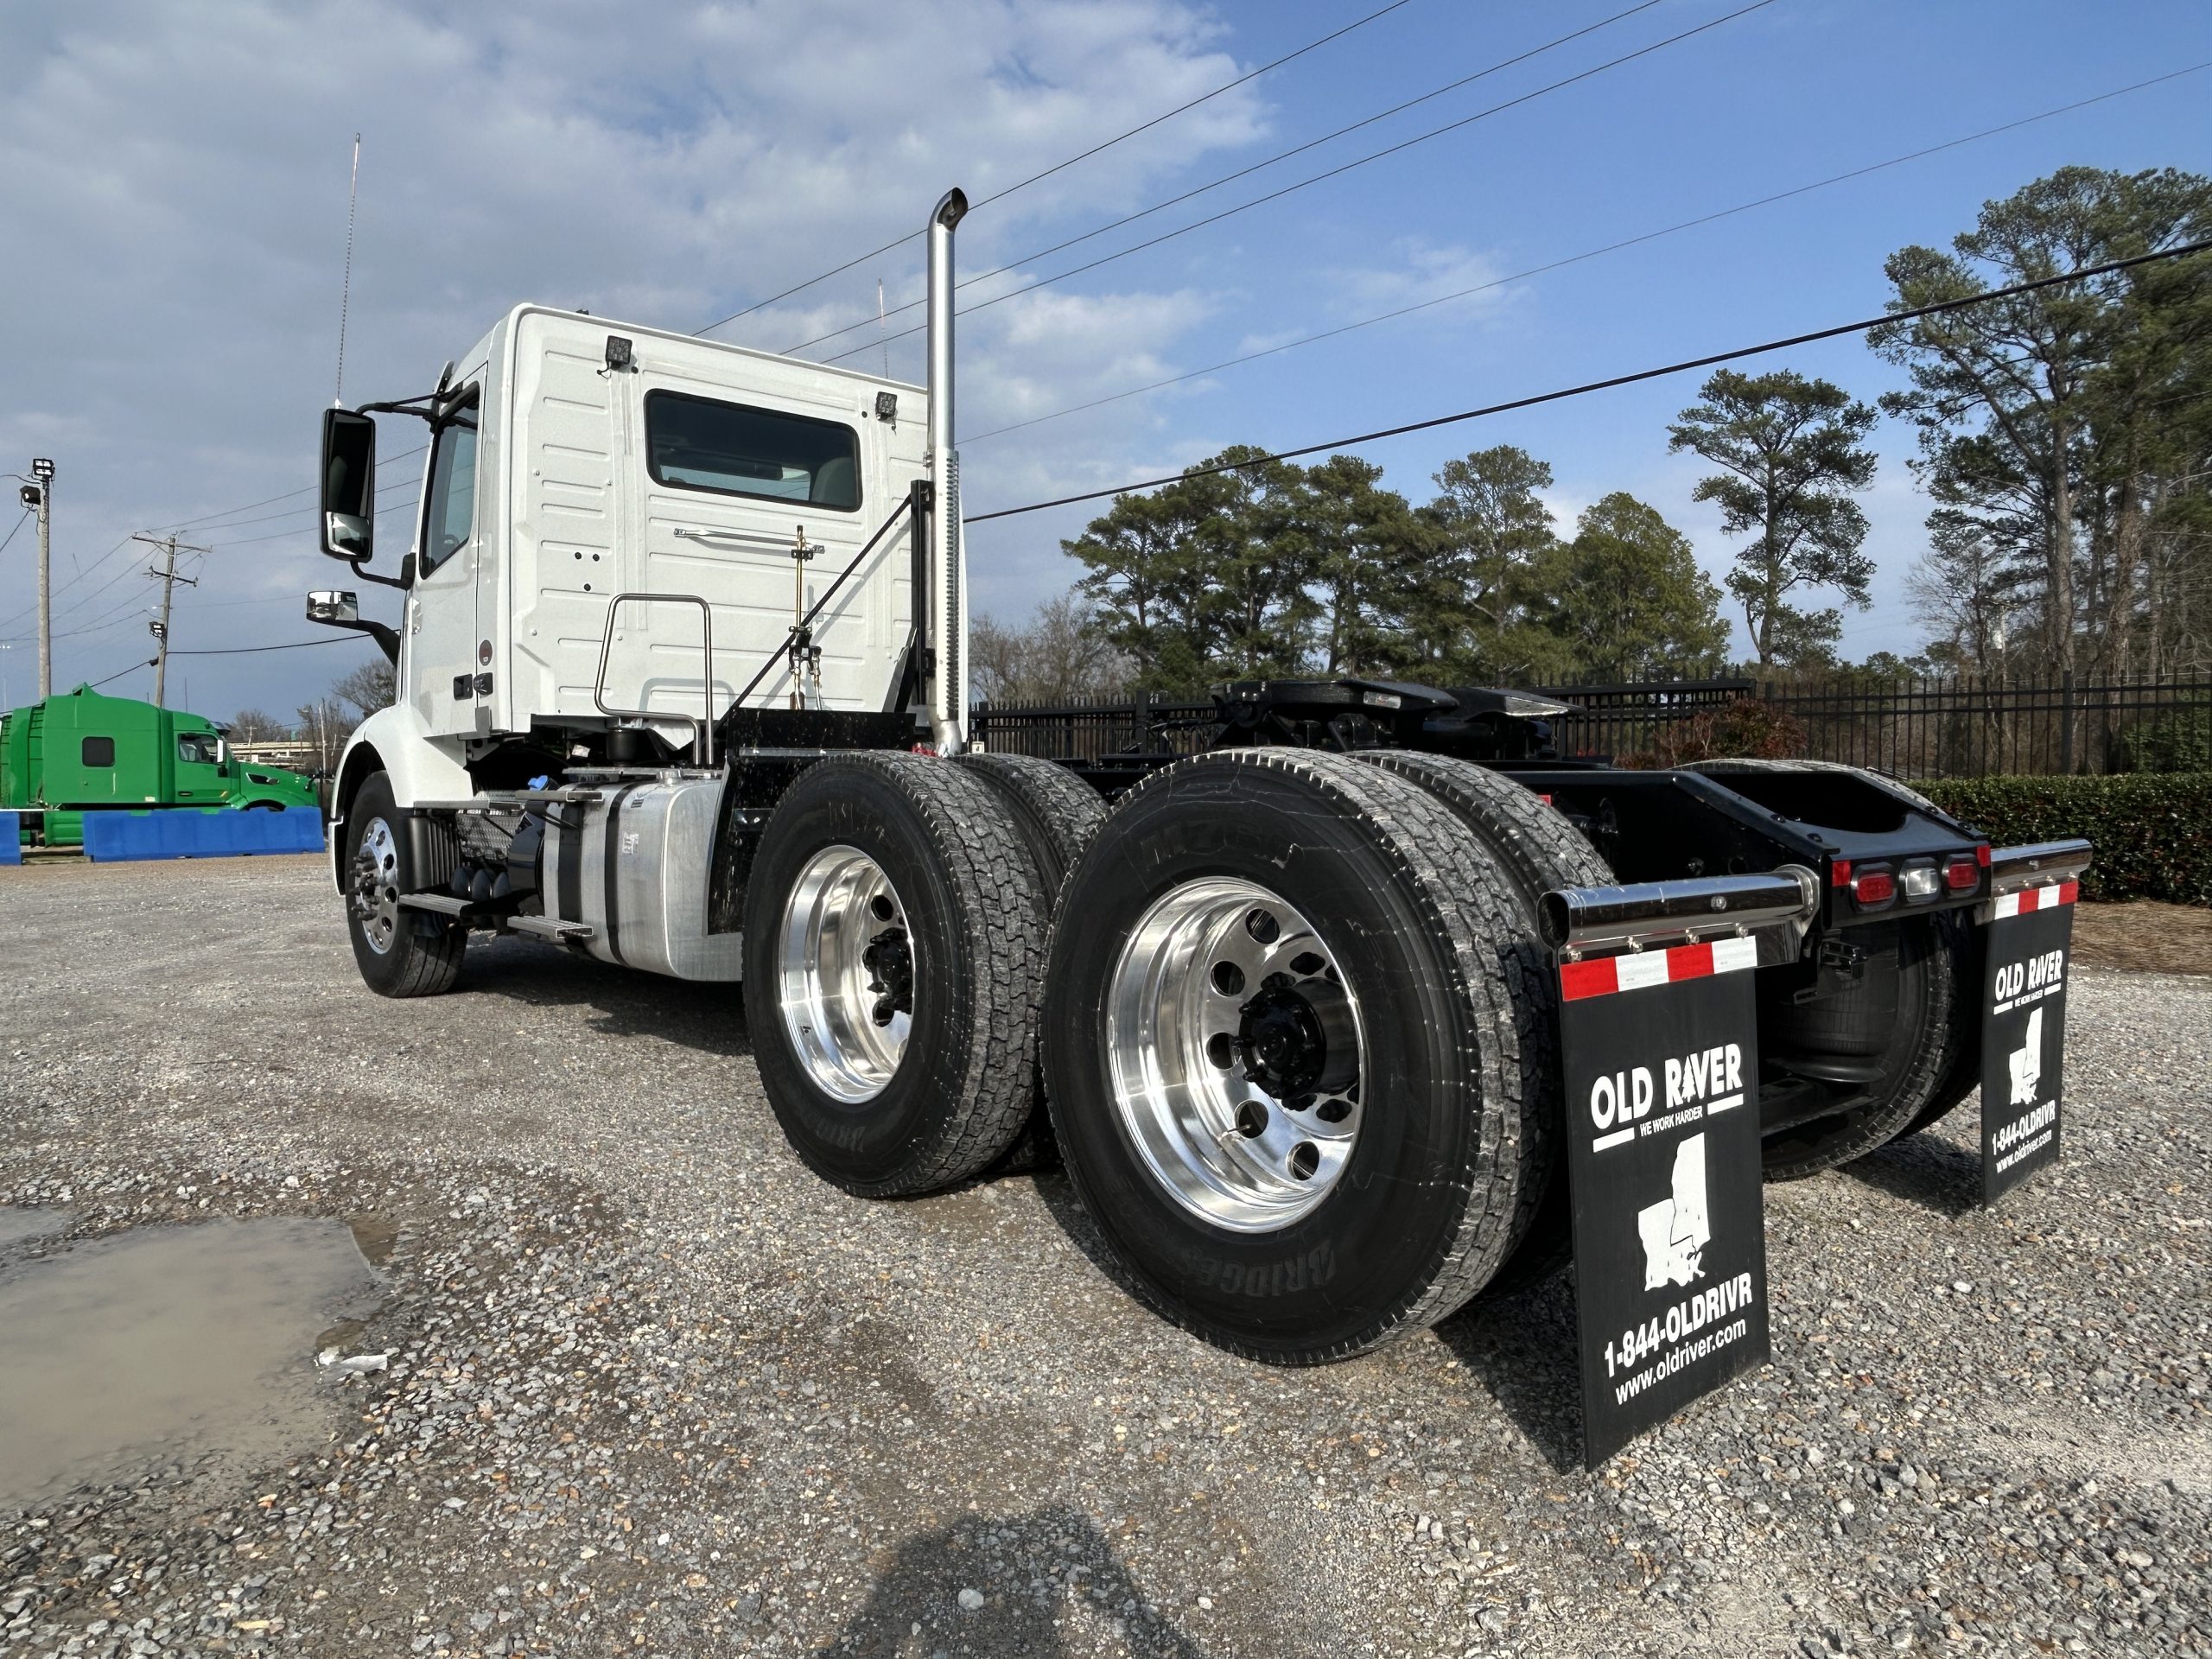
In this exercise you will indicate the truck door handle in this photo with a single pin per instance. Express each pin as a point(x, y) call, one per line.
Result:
point(686, 533)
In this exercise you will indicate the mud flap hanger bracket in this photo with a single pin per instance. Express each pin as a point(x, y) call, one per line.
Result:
point(2039, 864)
point(1775, 909)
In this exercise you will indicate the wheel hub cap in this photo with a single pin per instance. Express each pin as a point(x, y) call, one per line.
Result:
point(375, 892)
point(1234, 1047)
point(846, 969)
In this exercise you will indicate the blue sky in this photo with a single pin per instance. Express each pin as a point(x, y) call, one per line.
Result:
point(169, 332)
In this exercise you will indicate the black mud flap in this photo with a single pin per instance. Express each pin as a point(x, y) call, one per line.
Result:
point(2029, 934)
point(1660, 1049)
point(1663, 1169)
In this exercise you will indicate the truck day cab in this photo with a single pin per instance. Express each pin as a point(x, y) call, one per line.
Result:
point(682, 687)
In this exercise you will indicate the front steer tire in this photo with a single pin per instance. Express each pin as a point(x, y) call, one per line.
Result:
point(895, 1026)
point(399, 953)
point(1404, 911)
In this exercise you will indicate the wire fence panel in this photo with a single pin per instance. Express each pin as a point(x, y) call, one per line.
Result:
point(1968, 726)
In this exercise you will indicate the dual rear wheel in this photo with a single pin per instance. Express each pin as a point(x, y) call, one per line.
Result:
point(1286, 1012)
point(1279, 1015)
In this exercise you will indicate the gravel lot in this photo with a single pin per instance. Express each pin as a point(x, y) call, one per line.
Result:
point(654, 1390)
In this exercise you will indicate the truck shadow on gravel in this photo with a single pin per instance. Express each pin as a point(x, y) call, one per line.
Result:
point(698, 1014)
point(925, 1582)
point(1926, 1170)
point(1521, 1347)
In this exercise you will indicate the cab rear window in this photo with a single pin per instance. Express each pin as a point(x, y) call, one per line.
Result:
point(698, 443)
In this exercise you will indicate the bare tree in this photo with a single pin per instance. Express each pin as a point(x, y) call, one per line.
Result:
point(325, 723)
point(373, 685)
point(255, 726)
point(1059, 654)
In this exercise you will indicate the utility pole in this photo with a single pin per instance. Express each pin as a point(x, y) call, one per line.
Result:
point(41, 496)
point(167, 577)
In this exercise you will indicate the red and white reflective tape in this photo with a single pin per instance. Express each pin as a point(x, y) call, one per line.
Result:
point(1634, 970)
point(2028, 900)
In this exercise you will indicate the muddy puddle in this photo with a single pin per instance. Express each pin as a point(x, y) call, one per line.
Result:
point(21, 1226)
point(169, 1344)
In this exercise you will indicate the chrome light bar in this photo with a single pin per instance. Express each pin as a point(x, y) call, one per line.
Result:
point(1779, 903)
point(2039, 864)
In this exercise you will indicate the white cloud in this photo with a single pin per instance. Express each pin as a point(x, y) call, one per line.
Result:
point(174, 182)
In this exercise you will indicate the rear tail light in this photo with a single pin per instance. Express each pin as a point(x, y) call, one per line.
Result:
point(1963, 874)
point(1873, 887)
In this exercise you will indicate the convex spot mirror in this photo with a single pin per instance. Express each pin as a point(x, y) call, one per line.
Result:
point(333, 608)
point(349, 482)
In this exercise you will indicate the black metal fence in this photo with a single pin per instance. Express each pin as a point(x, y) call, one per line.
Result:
point(1963, 727)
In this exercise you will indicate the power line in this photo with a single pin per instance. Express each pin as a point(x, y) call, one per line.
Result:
point(1084, 155)
point(233, 650)
point(310, 490)
point(96, 684)
point(20, 523)
point(248, 650)
point(71, 581)
point(1318, 178)
point(1939, 308)
point(294, 512)
point(1243, 172)
point(1592, 253)
point(406, 505)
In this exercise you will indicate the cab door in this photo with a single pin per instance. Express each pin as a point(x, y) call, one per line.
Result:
point(447, 683)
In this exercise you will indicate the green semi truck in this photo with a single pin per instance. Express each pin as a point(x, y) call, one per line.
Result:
point(82, 751)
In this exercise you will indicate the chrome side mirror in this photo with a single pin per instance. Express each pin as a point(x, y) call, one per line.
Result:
point(349, 475)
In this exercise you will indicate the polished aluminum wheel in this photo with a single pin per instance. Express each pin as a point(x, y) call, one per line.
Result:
point(376, 884)
point(1234, 1044)
point(846, 963)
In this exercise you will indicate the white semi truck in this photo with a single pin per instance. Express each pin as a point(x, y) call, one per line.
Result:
point(682, 687)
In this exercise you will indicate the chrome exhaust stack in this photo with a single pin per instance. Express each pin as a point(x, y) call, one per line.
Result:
point(945, 603)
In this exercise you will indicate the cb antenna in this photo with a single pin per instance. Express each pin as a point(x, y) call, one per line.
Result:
point(346, 288)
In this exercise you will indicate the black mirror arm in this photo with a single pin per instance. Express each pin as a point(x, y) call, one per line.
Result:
point(386, 636)
point(428, 410)
point(404, 580)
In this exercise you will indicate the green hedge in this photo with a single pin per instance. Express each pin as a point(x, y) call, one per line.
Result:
point(2153, 831)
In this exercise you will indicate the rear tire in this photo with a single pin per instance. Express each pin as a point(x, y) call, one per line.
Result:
point(1962, 1076)
point(894, 937)
point(1055, 810)
point(1339, 926)
point(1538, 850)
point(1910, 1035)
point(1057, 814)
point(399, 953)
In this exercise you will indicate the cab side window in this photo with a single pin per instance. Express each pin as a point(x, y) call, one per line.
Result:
point(451, 510)
point(98, 751)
